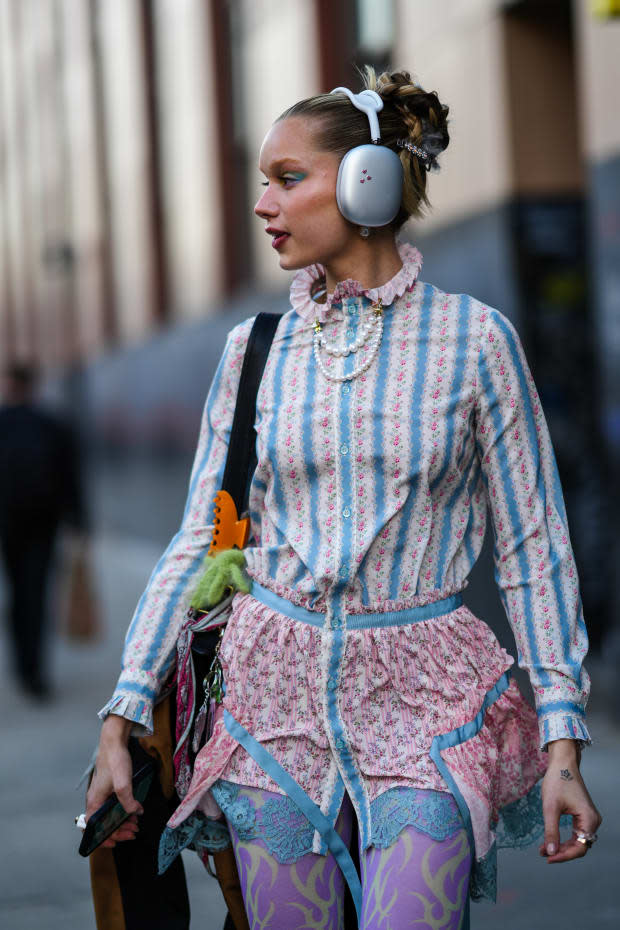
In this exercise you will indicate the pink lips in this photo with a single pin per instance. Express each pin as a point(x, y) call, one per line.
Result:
point(278, 237)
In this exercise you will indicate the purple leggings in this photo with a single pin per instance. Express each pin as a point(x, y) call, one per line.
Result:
point(417, 882)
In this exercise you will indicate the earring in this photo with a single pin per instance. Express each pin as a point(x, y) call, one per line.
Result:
point(364, 232)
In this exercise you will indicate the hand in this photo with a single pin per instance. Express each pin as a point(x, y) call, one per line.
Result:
point(564, 792)
point(112, 773)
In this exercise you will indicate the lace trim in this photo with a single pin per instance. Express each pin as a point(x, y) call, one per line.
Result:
point(434, 813)
point(306, 279)
point(483, 880)
point(288, 834)
point(197, 832)
point(520, 824)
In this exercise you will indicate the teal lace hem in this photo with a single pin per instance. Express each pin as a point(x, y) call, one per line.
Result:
point(279, 823)
point(288, 835)
point(197, 832)
point(434, 813)
point(519, 824)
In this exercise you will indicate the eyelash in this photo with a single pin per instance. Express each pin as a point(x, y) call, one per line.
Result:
point(283, 181)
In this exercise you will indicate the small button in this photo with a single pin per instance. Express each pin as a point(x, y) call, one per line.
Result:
point(344, 572)
point(350, 332)
point(346, 512)
point(340, 743)
point(344, 448)
point(346, 389)
point(336, 622)
point(332, 684)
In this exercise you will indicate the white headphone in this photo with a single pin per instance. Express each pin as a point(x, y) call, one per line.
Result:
point(370, 177)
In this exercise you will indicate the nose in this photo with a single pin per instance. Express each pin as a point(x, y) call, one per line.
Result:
point(266, 205)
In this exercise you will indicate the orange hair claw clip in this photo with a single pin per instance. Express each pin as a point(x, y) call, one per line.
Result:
point(229, 531)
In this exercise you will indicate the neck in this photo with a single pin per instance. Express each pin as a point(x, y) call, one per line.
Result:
point(372, 262)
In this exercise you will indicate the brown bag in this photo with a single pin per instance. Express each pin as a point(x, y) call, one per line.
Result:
point(82, 620)
point(112, 909)
point(116, 899)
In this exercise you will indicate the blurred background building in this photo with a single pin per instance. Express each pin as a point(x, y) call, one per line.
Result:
point(129, 140)
point(129, 137)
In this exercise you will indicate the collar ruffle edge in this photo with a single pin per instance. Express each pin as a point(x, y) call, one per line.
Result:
point(306, 278)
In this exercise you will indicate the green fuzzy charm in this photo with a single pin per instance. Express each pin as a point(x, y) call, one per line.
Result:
point(222, 571)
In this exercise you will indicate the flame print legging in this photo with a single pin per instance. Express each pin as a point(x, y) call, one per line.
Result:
point(417, 882)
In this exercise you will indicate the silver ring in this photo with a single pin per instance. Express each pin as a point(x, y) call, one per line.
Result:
point(586, 839)
point(80, 822)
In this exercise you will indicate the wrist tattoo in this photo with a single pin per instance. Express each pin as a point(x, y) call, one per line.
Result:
point(565, 775)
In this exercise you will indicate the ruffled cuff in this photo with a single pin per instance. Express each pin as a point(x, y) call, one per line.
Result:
point(563, 726)
point(134, 707)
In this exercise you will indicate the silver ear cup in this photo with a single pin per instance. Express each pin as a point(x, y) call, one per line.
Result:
point(369, 186)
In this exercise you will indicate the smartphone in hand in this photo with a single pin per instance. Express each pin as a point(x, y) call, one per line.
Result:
point(112, 814)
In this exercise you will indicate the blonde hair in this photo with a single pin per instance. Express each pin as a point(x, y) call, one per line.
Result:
point(409, 113)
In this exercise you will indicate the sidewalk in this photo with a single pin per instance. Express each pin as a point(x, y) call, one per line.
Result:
point(44, 883)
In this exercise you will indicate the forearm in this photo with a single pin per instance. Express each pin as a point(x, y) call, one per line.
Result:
point(564, 753)
point(116, 729)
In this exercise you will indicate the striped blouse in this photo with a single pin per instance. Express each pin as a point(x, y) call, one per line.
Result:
point(371, 493)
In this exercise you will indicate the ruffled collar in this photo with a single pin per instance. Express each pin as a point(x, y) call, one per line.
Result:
point(306, 280)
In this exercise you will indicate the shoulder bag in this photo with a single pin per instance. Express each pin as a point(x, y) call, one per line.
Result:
point(128, 893)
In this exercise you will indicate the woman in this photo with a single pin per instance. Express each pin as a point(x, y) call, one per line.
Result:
point(390, 416)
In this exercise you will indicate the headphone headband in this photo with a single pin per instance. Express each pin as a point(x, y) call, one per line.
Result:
point(370, 177)
point(370, 103)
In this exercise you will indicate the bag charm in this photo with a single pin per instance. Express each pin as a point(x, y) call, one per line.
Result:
point(213, 685)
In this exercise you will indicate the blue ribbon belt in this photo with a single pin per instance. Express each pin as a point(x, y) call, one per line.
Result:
point(358, 621)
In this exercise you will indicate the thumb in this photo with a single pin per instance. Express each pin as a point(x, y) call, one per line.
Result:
point(552, 830)
point(124, 794)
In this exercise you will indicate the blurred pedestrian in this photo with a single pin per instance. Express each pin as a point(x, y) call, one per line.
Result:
point(40, 488)
point(391, 419)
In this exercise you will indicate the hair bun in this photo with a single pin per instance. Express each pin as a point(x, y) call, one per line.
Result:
point(424, 116)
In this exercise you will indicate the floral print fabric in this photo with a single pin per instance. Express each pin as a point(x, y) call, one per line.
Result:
point(400, 687)
point(372, 495)
point(376, 491)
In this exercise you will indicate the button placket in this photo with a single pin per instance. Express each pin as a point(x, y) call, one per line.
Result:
point(345, 463)
point(337, 621)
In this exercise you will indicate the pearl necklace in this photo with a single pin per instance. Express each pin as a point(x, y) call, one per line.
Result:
point(370, 335)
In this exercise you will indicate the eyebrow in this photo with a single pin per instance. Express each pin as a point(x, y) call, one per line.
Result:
point(288, 160)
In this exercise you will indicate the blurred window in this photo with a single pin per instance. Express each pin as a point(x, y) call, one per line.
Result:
point(375, 27)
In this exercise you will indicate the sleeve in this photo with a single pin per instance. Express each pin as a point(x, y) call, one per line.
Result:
point(534, 563)
point(150, 643)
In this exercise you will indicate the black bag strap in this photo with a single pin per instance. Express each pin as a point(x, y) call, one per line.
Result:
point(241, 458)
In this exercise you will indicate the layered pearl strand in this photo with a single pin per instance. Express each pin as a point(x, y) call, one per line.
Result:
point(370, 335)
